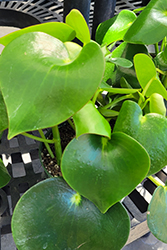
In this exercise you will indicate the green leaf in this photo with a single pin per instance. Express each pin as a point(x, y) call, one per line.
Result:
point(147, 76)
point(114, 29)
point(150, 130)
point(41, 85)
point(108, 112)
point(157, 214)
point(4, 175)
point(123, 62)
point(121, 90)
point(150, 26)
point(76, 20)
point(3, 114)
point(102, 170)
point(157, 104)
point(89, 120)
point(58, 30)
point(52, 216)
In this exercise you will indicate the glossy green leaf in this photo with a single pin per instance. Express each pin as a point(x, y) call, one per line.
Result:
point(150, 130)
point(157, 214)
point(4, 175)
point(147, 76)
point(3, 114)
point(150, 26)
point(123, 62)
point(58, 30)
point(41, 85)
point(157, 104)
point(88, 120)
point(76, 20)
point(102, 170)
point(73, 49)
point(115, 28)
point(52, 216)
point(108, 112)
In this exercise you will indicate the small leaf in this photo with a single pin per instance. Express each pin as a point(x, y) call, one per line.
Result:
point(150, 26)
point(50, 215)
point(4, 175)
point(114, 29)
point(161, 60)
point(123, 62)
point(76, 20)
point(88, 120)
point(157, 104)
point(58, 30)
point(157, 214)
point(102, 170)
point(147, 76)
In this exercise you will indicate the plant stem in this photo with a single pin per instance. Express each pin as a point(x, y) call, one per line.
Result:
point(163, 44)
point(157, 183)
point(71, 123)
point(113, 103)
point(96, 95)
point(156, 48)
point(58, 149)
point(46, 142)
point(42, 139)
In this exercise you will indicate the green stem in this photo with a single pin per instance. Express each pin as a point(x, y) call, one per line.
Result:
point(156, 48)
point(96, 95)
point(113, 103)
point(42, 139)
point(58, 149)
point(71, 123)
point(157, 183)
point(46, 141)
point(163, 44)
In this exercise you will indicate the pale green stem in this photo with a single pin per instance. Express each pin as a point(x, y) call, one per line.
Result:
point(58, 149)
point(157, 183)
point(46, 143)
point(96, 95)
point(139, 9)
point(156, 48)
point(37, 138)
point(163, 44)
point(71, 123)
point(113, 103)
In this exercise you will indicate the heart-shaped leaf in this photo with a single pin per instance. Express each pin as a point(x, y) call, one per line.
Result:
point(102, 170)
point(88, 120)
point(76, 20)
point(58, 30)
point(41, 85)
point(4, 175)
point(51, 216)
point(150, 130)
point(150, 26)
point(157, 214)
point(147, 76)
point(115, 28)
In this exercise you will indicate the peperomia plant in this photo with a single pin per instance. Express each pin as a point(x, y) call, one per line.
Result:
point(113, 96)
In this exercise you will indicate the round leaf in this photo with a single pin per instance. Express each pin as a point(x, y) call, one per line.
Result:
point(114, 29)
point(150, 26)
point(89, 120)
point(102, 170)
point(147, 76)
point(157, 104)
point(150, 130)
point(41, 85)
point(157, 214)
point(51, 216)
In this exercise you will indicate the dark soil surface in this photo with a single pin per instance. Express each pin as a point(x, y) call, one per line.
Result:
point(66, 134)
